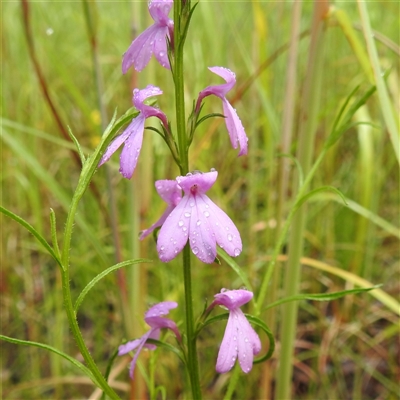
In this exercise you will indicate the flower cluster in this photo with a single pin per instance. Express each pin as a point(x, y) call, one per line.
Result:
point(240, 340)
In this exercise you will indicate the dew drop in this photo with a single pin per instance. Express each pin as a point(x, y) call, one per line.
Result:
point(49, 31)
point(230, 237)
point(191, 204)
point(246, 340)
point(162, 248)
point(212, 169)
point(184, 229)
point(195, 250)
point(198, 222)
point(187, 214)
point(206, 214)
point(193, 241)
point(180, 223)
point(236, 252)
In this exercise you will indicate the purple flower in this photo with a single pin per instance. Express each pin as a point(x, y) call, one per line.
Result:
point(232, 121)
point(156, 322)
point(153, 40)
point(133, 134)
point(198, 219)
point(240, 339)
point(171, 193)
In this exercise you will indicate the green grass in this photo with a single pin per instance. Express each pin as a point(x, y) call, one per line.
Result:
point(345, 349)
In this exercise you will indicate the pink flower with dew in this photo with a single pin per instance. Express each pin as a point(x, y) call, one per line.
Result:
point(153, 317)
point(153, 40)
point(171, 193)
point(197, 219)
point(240, 339)
point(133, 134)
point(233, 123)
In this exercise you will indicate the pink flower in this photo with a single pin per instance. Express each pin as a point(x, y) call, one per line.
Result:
point(197, 219)
point(171, 193)
point(133, 134)
point(240, 339)
point(153, 40)
point(156, 322)
point(232, 120)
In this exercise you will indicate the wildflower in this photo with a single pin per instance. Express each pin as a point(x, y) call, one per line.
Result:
point(198, 219)
point(133, 134)
point(171, 193)
point(232, 120)
point(240, 339)
point(153, 40)
point(156, 322)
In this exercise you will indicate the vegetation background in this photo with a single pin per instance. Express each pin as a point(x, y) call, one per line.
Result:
point(344, 349)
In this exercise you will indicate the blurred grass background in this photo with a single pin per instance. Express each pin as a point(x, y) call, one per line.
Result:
point(347, 349)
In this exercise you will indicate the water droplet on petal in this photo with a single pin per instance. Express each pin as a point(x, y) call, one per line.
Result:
point(180, 223)
point(236, 252)
point(192, 204)
point(230, 237)
point(206, 214)
point(195, 250)
point(184, 229)
point(162, 248)
point(198, 222)
point(187, 214)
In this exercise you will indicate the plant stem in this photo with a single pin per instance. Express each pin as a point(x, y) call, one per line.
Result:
point(296, 240)
point(184, 169)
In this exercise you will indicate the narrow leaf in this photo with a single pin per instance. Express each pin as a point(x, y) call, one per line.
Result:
point(72, 360)
point(312, 193)
point(53, 227)
point(101, 276)
point(236, 268)
point(77, 145)
point(34, 232)
point(320, 296)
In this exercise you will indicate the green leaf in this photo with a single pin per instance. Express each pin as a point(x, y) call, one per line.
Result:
point(53, 227)
point(320, 296)
point(101, 276)
point(235, 267)
point(78, 146)
point(312, 193)
point(255, 321)
point(72, 360)
point(207, 117)
point(34, 232)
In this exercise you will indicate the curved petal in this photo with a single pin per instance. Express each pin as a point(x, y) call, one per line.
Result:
point(160, 48)
point(201, 238)
point(129, 346)
point(226, 234)
point(140, 95)
point(245, 344)
point(158, 309)
point(159, 222)
point(228, 350)
point(159, 10)
point(130, 152)
point(117, 142)
point(218, 90)
point(169, 191)
point(235, 128)
point(140, 50)
point(203, 181)
point(173, 234)
point(139, 349)
point(232, 299)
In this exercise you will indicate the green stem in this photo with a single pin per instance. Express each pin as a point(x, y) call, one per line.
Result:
point(69, 308)
point(184, 169)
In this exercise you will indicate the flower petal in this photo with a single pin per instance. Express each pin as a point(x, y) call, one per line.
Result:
point(156, 224)
point(129, 346)
point(173, 234)
point(169, 191)
point(139, 349)
point(203, 182)
point(228, 350)
point(232, 299)
point(235, 128)
point(117, 142)
point(158, 309)
point(140, 50)
point(159, 10)
point(201, 239)
point(226, 234)
point(160, 48)
point(130, 152)
point(245, 344)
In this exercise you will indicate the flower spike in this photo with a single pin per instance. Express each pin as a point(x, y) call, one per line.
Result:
point(197, 219)
point(153, 317)
point(232, 121)
point(240, 339)
point(153, 40)
point(171, 193)
point(133, 134)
